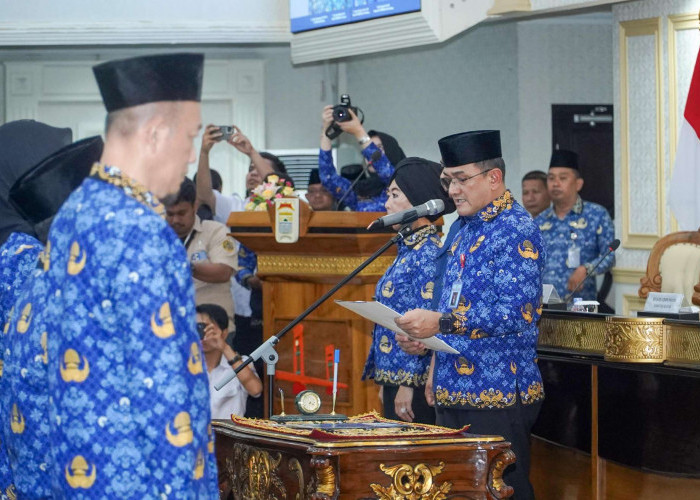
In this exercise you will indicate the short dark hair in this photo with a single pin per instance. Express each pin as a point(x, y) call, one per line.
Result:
point(216, 182)
point(187, 193)
point(216, 313)
point(277, 164)
point(535, 175)
point(491, 164)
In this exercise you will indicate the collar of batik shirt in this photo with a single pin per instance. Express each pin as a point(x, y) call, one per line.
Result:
point(132, 188)
point(493, 209)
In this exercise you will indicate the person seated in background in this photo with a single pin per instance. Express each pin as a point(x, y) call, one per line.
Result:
point(211, 252)
point(318, 196)
point(535, 194)
point(381, 152)
point(212, 324)
point(261, 165)
point(575, 233)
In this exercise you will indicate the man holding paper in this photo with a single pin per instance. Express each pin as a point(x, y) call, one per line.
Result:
point(489, 305)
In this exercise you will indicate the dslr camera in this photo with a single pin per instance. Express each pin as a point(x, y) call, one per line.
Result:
point(226, 132)
point(341, 113)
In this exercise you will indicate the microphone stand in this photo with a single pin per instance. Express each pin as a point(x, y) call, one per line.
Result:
point(267, 352)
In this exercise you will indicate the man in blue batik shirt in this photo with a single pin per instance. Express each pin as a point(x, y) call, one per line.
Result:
point(129, 409)
point(381, 152)
point(576, 233)
point(489, 305)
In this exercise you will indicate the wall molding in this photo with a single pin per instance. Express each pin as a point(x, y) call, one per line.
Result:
point(141, 32)
point(629, 29)
point(676, 23)
point(627, 276)
point(632, 303)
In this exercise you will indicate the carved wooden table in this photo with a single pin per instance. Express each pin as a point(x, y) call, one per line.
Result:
point(366, 457)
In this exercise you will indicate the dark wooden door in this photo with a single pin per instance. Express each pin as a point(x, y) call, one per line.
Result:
point(587, 129)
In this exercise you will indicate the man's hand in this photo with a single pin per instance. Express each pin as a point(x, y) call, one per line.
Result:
point(213, 339)
point(429, 393)
point(402, 403)
point(420, 323)
point(353, 126)
point(241, 142)
point(326, 117)
point(211, 136)
point(576, 277)
point(410, 346)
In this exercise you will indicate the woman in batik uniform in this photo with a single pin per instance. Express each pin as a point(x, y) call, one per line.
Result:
point(407, 284)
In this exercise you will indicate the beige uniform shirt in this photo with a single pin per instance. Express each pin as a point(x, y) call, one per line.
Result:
point(211, 243)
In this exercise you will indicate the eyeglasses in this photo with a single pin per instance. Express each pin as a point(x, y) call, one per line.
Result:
point(447, 181)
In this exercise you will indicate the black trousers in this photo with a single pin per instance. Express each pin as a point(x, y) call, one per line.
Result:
point(514, 424)
point(423, 414)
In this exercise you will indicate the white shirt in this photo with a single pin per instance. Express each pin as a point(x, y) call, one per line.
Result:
point(231, 399)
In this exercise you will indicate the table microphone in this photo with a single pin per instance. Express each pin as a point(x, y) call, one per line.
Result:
point(432, 207)
point(375, 156)
point(613, 246)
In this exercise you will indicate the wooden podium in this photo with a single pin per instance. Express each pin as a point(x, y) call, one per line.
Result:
point(330, 246)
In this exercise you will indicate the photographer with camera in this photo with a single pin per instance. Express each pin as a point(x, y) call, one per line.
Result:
point(363, 190)
point(212, 325)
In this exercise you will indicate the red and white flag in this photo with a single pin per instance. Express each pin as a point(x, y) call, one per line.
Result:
point(684, 195)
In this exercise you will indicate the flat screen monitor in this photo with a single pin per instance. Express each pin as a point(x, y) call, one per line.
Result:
point(314, 14)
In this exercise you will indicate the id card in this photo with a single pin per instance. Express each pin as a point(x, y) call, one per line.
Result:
point(198, 256)
point(573, 257)
point(455, 294)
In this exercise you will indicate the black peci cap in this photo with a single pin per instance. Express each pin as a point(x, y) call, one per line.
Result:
point(564, 158)
point(314, 177)
point(40, 192)
point(470, 147)
point(139, 80)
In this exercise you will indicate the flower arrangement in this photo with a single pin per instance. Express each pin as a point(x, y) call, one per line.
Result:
point(264, 195)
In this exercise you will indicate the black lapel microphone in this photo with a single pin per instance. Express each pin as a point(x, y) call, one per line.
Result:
point(613, 246)
point(365, 173)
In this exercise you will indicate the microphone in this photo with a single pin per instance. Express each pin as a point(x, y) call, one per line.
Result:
point(611, 248)
point(432, 207)
point(375, 156)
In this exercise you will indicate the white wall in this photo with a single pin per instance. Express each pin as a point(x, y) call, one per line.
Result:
point(423, 94)
point(558, 64)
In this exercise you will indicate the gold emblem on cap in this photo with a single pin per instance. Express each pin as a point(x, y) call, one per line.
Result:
point(77, 259)
point(183, 430)
point(70, 367)
point(528, 250)
point(165, 329)
point(25, 319)
point(16, 420)
point(77, 476)
point(194, 362)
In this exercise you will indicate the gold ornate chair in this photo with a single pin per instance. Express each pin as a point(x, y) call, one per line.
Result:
point(674, 266)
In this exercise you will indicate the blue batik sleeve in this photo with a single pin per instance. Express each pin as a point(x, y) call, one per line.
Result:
point(336, 184)
point(605, 233)
point(381, 165)
point(247, 263)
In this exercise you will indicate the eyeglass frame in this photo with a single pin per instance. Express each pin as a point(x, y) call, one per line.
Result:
point(460, 182)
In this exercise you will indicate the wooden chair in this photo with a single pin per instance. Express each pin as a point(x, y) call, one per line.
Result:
point(674, 266)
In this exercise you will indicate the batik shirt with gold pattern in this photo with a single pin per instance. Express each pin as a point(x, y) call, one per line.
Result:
point(407, 284)
point(18, 258)
point(495, 321)
point(588, 227)
point(126, 409)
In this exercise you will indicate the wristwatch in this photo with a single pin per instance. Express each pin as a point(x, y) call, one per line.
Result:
point(446, 323)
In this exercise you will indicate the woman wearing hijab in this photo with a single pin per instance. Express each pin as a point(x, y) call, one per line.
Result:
point(381, 152)
point(407, 284)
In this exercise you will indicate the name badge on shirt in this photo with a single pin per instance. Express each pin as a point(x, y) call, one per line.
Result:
point(573, 257)
point(201, 255)
point(455, 294)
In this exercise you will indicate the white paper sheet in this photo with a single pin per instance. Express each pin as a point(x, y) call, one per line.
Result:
point(384, 316)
